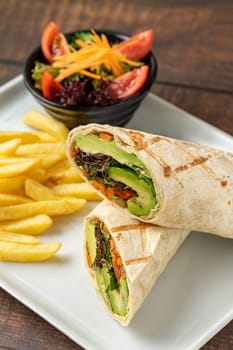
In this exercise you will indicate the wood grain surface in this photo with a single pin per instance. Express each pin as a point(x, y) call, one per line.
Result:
point(194, 48)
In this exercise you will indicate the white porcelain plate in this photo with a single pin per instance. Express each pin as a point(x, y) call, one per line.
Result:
point(192, 300)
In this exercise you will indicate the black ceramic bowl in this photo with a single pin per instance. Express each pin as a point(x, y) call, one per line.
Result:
point(117, 114)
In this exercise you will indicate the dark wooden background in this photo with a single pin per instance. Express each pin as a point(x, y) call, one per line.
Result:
point(194, 48)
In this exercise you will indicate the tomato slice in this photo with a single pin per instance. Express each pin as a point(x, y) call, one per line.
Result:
point(53, 43)
point(126, 194)
point(48, 35)
point(138, 46)
point(129, 83)
point(49, 86)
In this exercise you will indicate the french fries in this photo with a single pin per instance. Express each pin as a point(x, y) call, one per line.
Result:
point(51, 208)
point(49, 160)
point(37, 183)
point(18, 238)
point(44, 137)
point(21, 252)
point(38, 192)
point(39, 121)
point(25, 137)
point(79, 190)
point(62, 173)
point(11, 199)
point(34, 225)
point(41, 148)
point(12, 185)
point(9, 147)
point(15, 169)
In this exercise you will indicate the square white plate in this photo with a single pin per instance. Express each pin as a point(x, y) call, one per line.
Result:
point(193, 298)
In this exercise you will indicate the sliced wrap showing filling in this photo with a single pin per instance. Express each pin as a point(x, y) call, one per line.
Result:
point(119, 175)
point(106, 267)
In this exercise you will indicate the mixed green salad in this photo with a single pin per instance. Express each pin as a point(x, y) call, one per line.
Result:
point(85, 68)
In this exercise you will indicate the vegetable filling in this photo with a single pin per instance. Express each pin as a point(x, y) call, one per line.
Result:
point(106, 264)
point(120, 176)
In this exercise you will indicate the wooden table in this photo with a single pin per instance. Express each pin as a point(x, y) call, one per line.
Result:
point(194, 48)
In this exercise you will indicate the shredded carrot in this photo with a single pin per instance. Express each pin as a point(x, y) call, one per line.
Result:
point(91, 55)
point(109, 192)
point(105, 136)
point(116, 259)
point(99, 186)
point(90, 75)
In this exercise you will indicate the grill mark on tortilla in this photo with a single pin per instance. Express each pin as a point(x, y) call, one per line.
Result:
point(137, 138)
point(202, 163)
point(167, 171)
point(205, 166)
point(138, 260)
point(143, 237)
point(196, 161)
point(201, 160)
point(152, 141)
point(130, 227)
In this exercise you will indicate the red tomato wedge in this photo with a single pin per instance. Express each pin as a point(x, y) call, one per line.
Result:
point(129, 83)
point(49, 86)
point(138, 46)
point(48, 35)
point(53, 43)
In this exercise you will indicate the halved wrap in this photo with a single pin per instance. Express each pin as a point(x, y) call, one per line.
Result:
point(157, 179)
point(125, 257)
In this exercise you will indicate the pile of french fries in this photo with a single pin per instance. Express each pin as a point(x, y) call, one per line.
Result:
point(37, 183)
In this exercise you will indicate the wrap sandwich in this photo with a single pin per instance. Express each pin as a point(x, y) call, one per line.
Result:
point(156, 179)
point(125, 257)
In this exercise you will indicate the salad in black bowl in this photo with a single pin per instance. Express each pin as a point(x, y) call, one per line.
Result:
point(91, 75)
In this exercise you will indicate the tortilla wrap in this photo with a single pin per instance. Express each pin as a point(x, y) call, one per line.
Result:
point(145, 250)
point(193, 183)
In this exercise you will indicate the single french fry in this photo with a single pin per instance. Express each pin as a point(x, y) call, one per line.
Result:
point(80, 190)
point(44, 161)
point(19, 252)
point(18, 238)
point(49, 160)
point(9, 147)
point(38, 192)
point(34, 225)
point(45, 123)
point(25, 136)
point(31, 149)
point(12, 184)
point(61, 166)
point(17, 168)
point(52, 208)
point(12, 160)
point(12, 199)
point(44, 136)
